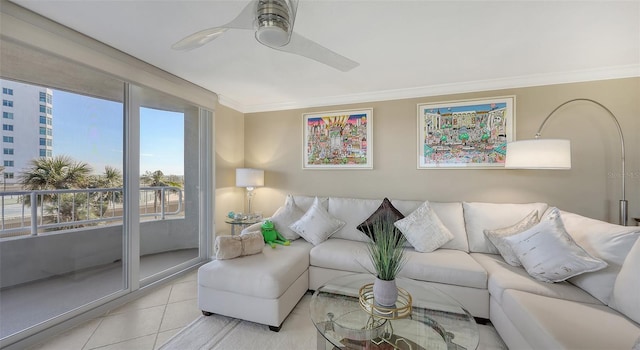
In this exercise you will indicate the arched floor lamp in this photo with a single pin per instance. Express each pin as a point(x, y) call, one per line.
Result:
point(556, 154)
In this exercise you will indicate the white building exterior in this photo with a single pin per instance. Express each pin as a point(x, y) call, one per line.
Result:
point(27, 127)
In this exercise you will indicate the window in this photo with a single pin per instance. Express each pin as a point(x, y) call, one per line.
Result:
point(7, 91)
point(49, 98)
point(7, 127)
point(8, 175)
point(7, 103)
point(43, 152)
point(43, 97)
point(7, 115)
point(101, 143)
point(8, 163)
point(49, 142)
point(49, 121)
point(8, 151)
point(43, 141)
point(43, 109)
point(43, 119)
point(43, 130)
point(49, 132)
point(8, 139)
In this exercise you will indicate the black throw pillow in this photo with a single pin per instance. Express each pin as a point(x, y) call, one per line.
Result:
point(386, 210)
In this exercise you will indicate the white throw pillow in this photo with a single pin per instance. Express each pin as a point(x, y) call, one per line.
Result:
point(626, 292)
point(548, 252)
point(480, 216)
point(603, 240)
point(497, 237)
point(423, 229)
point(316, 225)
point(285, 216)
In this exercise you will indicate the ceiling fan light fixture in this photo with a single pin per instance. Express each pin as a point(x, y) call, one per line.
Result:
point(273, 23)
point(272, 36)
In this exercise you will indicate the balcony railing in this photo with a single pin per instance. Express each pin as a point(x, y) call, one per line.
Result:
point(29, 213)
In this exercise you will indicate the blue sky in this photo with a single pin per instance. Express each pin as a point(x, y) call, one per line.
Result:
point(90, 130)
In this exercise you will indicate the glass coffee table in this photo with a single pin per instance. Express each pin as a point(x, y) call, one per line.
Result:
point(436, 320)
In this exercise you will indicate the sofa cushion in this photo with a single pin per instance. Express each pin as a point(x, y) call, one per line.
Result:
point(267, 275)
point(626, 292)
point(497, 237)
point(446, 266)
point(316, 225)
point(503, 276)
point(341, 254)
point(442, 266)
point(353, 211)
point(386, 211)
point(548, 252)
point(285, 216)
point(450, 213)
point(305, 202)
point(603, 240)
point(490, 216)
point(548, 323)
point(423, 229)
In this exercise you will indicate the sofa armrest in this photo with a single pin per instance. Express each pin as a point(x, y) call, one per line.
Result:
point(253, 227)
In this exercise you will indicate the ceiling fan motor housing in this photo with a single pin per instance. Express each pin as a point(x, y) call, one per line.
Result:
point(273, 22)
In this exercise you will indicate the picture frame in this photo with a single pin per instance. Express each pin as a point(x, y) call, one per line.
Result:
point(338, 139)
point(465, 134)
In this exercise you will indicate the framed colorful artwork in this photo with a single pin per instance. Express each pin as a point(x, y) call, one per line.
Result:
point(338, 139)
point(468, 134)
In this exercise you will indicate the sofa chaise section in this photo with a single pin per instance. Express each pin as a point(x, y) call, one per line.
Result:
point(261, 288)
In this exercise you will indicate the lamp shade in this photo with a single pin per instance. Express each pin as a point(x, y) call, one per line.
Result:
point(248, 177)
point(539, 154)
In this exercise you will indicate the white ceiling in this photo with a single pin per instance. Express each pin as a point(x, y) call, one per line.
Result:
point(405, 48)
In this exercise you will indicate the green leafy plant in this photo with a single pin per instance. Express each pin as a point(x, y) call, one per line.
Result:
point(387, 250)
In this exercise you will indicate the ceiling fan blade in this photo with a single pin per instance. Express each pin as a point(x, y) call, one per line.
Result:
point(244, 20)
point(302, 46)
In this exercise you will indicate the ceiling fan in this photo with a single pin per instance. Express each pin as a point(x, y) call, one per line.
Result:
point(272, 21)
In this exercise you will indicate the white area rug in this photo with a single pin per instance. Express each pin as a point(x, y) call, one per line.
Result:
point(224, 333)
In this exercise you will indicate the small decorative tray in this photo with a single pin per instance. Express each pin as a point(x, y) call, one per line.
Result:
point(401, 309)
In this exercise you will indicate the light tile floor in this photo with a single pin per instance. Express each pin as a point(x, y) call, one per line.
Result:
point(143, 324)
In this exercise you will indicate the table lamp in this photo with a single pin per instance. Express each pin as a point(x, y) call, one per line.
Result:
point(250, 179)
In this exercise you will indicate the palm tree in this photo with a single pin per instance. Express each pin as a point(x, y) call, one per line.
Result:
point(60, 172)
point(111, 178)
point(157, 179)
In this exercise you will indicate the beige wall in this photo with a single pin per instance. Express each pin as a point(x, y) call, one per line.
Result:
point(229, 145)
point(273, 141)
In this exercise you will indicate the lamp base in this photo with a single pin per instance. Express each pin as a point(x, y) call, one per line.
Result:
point(249, 197)
point(624, 212)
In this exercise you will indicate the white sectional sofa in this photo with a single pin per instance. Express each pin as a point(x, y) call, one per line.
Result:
point(594, 310)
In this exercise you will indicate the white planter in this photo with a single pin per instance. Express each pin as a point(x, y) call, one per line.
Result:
point(385, 293)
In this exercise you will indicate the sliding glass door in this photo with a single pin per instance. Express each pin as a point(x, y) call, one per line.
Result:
point(169, 182)
point(61, 240)
point(102, 195)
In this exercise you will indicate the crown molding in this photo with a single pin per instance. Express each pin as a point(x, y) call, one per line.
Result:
point(617, 72)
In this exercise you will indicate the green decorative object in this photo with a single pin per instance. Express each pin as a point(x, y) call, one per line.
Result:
point(388, 257)
point(271, 235)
